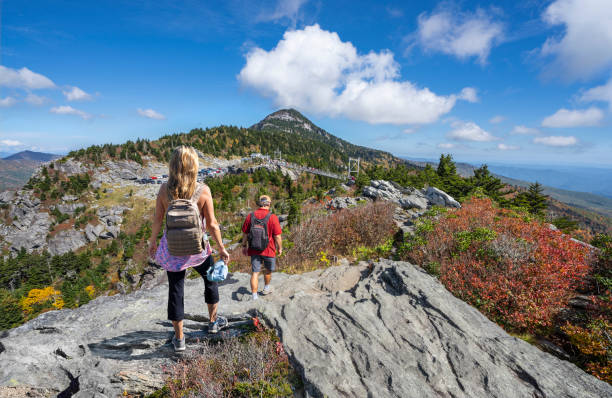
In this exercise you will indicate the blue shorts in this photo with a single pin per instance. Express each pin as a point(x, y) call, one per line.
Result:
point(268, 262)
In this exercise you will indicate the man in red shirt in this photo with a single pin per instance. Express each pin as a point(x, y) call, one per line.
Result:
point(267, 256)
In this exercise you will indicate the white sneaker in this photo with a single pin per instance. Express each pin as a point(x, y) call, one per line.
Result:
point(266, 290)
point(255, 297)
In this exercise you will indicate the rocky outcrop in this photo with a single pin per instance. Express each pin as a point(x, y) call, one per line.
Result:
point(125, 172)
point(385, 330)
point(109, 225)
point(438, 197)
point(6, 197)
point(408, 198)
point(29, 227)
point(344, 202)
point(70, 167)
point(286, 171)
point(69, 208)
point(65, 241)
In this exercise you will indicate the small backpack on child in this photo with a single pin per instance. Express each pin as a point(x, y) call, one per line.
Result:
point(184, 225)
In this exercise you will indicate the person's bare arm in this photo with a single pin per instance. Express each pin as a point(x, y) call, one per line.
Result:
point(278, 241)
point(158, 218)
point(212, 225)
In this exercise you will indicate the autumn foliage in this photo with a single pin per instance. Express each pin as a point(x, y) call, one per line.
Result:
point(341, 232)
point(254, 365)
point(41, 298)
point(515, 270)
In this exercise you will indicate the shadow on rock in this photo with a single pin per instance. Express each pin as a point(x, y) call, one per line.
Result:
point(242, 294)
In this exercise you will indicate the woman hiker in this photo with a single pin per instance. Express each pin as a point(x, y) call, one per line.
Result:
point(182, 184)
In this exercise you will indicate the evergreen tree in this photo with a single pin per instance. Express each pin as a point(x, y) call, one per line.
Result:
point(490, 184)
point(446, 166)
point(295, 213)
point(533, 199)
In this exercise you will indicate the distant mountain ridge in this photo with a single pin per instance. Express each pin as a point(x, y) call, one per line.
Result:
point(16, 169)
point(31, 155)
point(602, 205)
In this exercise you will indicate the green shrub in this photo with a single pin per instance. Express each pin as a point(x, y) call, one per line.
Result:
point(466, 238)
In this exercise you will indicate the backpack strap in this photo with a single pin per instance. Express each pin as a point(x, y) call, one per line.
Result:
point(266, 218)
point(197, 193)
point(170, 197)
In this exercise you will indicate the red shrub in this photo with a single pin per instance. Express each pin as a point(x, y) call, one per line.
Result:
point(516, 271)
point(341, 232)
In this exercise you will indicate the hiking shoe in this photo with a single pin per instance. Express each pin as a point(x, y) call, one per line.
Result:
point(179, 345)
point(266, 290)
point(220, 323)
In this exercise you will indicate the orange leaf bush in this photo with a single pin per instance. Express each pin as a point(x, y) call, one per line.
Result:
point(341, 232)
point(516, 271)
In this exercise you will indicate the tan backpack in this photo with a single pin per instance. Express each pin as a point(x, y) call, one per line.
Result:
point(184, 225)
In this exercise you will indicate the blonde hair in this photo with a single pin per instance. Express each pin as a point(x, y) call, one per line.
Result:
point(183, 172)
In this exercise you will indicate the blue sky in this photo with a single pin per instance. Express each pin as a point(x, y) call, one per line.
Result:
point(524, 83)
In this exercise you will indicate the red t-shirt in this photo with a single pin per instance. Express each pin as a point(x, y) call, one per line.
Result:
point(274, 229)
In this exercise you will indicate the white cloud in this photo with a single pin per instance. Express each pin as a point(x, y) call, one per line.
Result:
point(583, 49)
point(7, 101)
point(285, 10)
point(469, 131)
point(599, 93)
point(463, 35)
point(313, 70)
point(34, 99)
point(505, 147)
point(446, 145)
point(410, 130)
point(556, 140)
point(68, 110)
point(469, 94)
point(23, 78)
point(151, 114)
point(497, 119)
point(76, 94)
point(524, 130)
point(574, 118)
point(10, 143)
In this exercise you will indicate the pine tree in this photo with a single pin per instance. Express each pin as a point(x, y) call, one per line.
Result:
point(446, 166)
point(295, 213)
point(490, 184)
point(533, 199)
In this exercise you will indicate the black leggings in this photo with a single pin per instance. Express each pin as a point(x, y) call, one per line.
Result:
point(176, 285)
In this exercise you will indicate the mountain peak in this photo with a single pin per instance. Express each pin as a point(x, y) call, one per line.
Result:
point(287, 114)
point(293, 122)
point(31, 155)
point(288, 120)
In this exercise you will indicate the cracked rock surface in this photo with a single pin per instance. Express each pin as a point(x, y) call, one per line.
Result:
point(388, 330)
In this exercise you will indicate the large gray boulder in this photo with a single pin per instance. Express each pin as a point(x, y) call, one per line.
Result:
point(6, 196)
point(92, 232)
point(408, 198)
point(440, 198)
point(415, 200)
point(384, 190)
point(65, 241)
point(386, 331)
point(400, 333)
